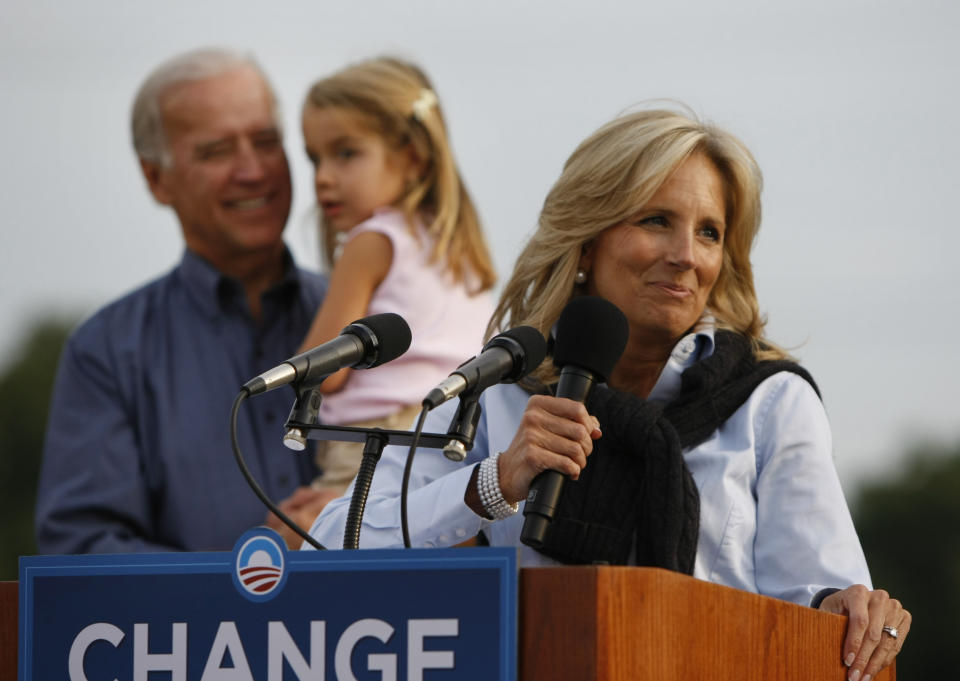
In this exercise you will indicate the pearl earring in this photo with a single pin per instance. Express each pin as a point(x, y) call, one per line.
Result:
point(581, 277)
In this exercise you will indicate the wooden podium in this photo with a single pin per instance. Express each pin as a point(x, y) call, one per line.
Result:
point(620, 623)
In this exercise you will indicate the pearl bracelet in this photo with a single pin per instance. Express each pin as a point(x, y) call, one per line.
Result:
point(488, 485)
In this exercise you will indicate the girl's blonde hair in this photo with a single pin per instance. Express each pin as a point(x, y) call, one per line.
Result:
point(396, 101)
point(607, 178)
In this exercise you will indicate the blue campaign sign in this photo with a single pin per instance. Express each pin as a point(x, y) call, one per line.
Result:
point(261, 612)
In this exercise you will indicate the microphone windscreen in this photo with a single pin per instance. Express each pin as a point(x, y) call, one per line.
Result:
point(534, 347)
point(591, 334)
point(392, 335)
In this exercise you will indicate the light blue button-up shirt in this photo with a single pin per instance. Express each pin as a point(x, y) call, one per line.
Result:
point(773, 519)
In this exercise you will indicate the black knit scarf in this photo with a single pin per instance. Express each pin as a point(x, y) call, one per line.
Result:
point(636, 490)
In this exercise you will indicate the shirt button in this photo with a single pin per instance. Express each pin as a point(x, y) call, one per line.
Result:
point(269, 415)
point(443, 538)
point(283, 480)
point(684, 349)
point(461, 532)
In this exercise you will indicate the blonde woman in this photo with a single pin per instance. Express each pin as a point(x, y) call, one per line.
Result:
point(709, 449)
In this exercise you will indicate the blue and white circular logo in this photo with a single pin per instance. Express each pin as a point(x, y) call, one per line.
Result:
point(259, 564)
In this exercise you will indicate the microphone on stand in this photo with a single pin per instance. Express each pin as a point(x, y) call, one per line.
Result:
point(506, 358)
point(590, 337)
point(364, 344)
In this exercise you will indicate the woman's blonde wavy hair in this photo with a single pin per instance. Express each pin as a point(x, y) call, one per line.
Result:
point(395, 99)
point(608, 177)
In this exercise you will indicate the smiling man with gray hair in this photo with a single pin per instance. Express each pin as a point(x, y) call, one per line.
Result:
point(137, 454)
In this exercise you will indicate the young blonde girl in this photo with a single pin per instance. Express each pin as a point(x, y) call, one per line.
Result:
point(400, 234)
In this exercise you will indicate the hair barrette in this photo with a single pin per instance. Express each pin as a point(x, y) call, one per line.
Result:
point(423, 104)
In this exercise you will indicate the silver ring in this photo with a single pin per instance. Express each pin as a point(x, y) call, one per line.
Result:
point(892, 631)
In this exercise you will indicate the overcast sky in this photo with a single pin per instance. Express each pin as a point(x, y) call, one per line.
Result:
point(849, 106)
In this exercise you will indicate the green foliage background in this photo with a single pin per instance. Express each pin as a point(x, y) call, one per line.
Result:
point(909, 526)
point(909, 523)
point(25, 386)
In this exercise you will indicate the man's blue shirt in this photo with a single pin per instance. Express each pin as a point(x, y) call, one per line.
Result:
point(137, 454)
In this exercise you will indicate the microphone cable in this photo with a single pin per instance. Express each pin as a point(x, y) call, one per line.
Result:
point(235, 442)
point(404, 526)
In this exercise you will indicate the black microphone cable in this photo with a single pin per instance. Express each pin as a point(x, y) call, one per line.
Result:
point(235, 441)
point(408, 466)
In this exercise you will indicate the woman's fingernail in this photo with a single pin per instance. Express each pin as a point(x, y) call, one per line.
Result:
point(855, 676)
point(866, 677)
point(849, 660)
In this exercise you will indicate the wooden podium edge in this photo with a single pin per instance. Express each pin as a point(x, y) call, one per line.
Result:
point(625, 623)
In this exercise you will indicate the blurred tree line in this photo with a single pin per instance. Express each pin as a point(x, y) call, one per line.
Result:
point(909, 523)
point(26, 380)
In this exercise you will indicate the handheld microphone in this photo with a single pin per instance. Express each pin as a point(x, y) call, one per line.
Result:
point(590, 337)
point(365, 343)
point(507, 357)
